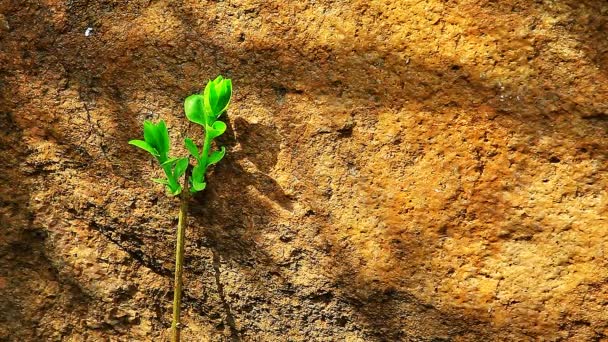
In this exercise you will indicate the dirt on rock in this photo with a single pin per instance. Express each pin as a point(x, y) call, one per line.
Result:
point(396, 171)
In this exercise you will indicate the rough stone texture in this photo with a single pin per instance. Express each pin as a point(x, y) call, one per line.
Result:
point(397, 170)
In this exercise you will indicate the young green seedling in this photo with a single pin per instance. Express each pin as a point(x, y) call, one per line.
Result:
point(203, 109)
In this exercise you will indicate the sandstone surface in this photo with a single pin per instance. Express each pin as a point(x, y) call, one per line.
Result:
point(397, 170)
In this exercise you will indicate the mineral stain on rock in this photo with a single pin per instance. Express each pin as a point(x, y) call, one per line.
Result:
point(396, 170)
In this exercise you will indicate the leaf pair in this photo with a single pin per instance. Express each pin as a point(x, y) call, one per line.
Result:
point(203, 160)
point(156, 142)
point(205, 108)
point(215, 156)
point(198, 172)
point(174, 169)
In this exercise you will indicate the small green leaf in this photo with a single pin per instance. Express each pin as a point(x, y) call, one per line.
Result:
point(173, 185)
point(198, 186)
point(193, 106)
point(224, 96)
point(208, 94)
point(180, 167)
point(156, 135)
point(170, 161)
point(198, 178)
point(174, 191)
point(150, 134)
point(216, 156)
point(144, 146)
point(216, 130)
point(192, 148)
point(198, 173)
point(217, 96)
point(162, 135)
point(160, 181)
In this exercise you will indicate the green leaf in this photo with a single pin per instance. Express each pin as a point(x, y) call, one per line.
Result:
point(170, 161)
point(198, 178)
point(175, 190)
point(173, 185)
point(162, 135)
point(160, 181)
point(198, 186)
point(216, 130)
point(193, 106)
point(217, 96)
point(192, 148)
point(144, 146)
point(207, 95)
point(216, 156)
point(198, 172)
point(224, 96)
point(180, 167)
point(157, 136)
point(150, 134)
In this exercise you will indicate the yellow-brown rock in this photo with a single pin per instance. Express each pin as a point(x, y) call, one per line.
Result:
point(396, 170)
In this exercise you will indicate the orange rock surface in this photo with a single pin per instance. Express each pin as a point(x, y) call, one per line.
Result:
point(396, 170)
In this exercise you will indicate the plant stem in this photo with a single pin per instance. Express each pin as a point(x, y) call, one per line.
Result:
point(179, 261)
point(205, 153)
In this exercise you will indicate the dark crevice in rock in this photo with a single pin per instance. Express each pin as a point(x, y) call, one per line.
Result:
point(234, 332)
point(145, 260)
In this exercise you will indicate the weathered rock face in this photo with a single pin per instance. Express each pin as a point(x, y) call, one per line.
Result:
point(397, 170)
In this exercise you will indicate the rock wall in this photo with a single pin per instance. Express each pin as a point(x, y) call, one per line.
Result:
point(396, 170)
